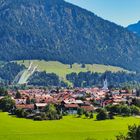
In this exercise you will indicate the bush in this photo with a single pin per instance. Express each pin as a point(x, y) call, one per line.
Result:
point(120, 137)
point(26, 113)
point(91, 116)
point(52, 113)
point(133, 133)
point(30, 116)
point(102, 115)
point(87, 114)
point(135, 110)
point(60, 117)
point(125, 110)
point(114, 109)
point(111, 116)
point(43, 116)
point(98, 110)
point(64, 113)
point(37, 118)
point(80, 111)
point(21, 113)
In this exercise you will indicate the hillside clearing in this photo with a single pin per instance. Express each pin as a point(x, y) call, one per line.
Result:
point(63, 69)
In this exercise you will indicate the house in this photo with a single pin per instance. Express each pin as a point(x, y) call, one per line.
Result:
point(20, 101)
point(71, 108)
point(115, 92)
point(1, 97)
point(88, 108)
point(25, 106)
point(107, 102)
point(124, 91)
point(73, 101)
point(98, 101)
point(40, 106)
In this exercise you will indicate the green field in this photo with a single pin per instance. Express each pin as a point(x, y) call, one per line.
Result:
point(63, 69)
point(69, 128)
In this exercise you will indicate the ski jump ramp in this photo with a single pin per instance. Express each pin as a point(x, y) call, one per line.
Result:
point(23, 76)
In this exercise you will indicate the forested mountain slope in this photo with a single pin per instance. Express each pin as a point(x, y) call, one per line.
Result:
point(57, 30)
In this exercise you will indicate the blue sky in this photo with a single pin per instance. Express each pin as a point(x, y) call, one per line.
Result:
point(122, 12)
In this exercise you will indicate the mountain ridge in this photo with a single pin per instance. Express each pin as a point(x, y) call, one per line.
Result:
point(135, 28)
point(42, 29)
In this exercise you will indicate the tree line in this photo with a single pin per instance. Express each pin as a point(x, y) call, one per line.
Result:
point(46, 79)
point(89, 79)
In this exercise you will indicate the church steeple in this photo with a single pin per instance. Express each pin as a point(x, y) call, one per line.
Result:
point(105, 84)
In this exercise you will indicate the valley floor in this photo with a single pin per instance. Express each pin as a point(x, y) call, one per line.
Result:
point(69, 128)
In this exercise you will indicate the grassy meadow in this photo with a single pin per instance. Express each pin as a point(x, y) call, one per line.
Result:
point(69, 128)
point(63, 69)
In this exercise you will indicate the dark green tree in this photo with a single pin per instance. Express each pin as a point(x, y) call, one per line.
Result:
point(135, 110)
point(121, 137)
point(28, 101)
point(52, 113)
point(91, 115)
point(80, 111)
point(133, 133)
point(83, 66)
point(20, 113)
point(18, 95)
point(3, 91)
point(102, 115)
point(87, 114)
point(6, 103)
point(125, 110)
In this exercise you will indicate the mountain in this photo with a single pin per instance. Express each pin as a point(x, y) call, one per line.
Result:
point(57, 30)
point(135, 28)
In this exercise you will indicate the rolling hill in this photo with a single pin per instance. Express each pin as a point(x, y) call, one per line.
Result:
point(55, 30)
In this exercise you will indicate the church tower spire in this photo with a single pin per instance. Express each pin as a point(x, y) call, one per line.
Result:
point(105, 85)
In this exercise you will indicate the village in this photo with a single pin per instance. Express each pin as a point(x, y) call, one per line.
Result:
point(70, 100)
